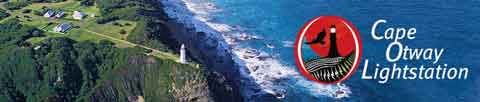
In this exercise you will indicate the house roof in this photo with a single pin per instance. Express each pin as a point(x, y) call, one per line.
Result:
point(49, 12)
point(78, 14)
point(64, 25)
point(60, 13)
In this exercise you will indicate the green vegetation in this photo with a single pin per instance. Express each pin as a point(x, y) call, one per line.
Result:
point(3, 14)
point(149, 30)
point(99, 59)
point(82, 28)
point(62, 69)
point(15, 5)
point(124, 22)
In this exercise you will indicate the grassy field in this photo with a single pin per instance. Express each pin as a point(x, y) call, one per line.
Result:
point(82, 30)
point(161, 78)
point(111, 29)
point(78, 32)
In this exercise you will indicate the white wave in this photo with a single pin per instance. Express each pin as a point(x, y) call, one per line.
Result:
point(287, 43)
point(272, 76)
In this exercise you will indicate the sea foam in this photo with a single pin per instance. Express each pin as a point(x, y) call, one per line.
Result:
point(269, 73)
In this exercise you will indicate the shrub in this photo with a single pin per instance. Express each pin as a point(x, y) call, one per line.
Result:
point(27, 11)
point(123, 31)
point(3, 14)
point(116, 23)
point(104, 20)
point(38, 13)
point(16, 5)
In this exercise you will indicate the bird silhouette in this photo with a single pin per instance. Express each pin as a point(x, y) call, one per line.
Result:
point(319, 38)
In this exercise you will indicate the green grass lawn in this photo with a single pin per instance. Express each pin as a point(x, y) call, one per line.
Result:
point(158, 79)
point(82, 30)
point(112, 30)
point(75, 34)
point(79, 33)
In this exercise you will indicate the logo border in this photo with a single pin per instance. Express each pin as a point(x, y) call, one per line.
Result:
point(298, 49)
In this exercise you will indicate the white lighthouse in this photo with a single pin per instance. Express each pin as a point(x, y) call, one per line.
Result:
point(183, 56)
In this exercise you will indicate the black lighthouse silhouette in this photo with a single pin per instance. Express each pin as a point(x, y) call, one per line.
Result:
point(332, 53)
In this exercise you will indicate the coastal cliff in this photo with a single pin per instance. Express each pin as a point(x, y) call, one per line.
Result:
point(224, 76)
point(157, 30)
point(138, 64)
point(206, 46)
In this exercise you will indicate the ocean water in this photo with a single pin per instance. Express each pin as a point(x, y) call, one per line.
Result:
point(269, 27)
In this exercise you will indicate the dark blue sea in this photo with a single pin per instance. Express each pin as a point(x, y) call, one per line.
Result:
point(453, 25)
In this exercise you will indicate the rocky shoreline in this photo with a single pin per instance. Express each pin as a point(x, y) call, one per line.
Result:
point(224, 76)
point(222, 81)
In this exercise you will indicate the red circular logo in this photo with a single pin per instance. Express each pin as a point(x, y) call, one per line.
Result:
point(336, 44)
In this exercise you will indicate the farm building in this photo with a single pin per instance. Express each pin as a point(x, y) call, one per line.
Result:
point(78, 15)
point(62, 27)
point(49, 13)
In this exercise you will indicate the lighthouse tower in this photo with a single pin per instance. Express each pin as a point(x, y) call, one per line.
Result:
point(333, 51)
point(183, 56)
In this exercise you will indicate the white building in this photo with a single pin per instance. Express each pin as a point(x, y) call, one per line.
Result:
point(37, 47)
point(183, 56)
point(78, 15)
point(60, 14)
point(62, 27)
point(48, 14)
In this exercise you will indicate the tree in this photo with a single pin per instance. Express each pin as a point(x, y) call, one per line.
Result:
point(123, 31)
point(87, 2)
point(3, 14)
point(15, 5)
